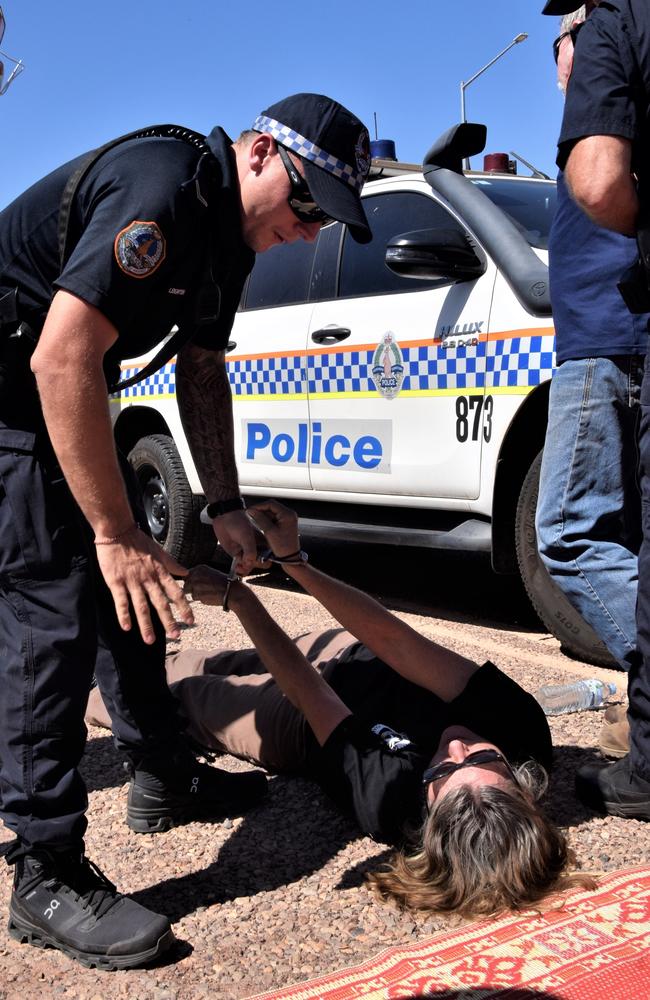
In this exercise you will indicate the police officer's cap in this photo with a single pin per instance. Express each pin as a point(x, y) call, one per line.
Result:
point(334, 146)
point(561, 7)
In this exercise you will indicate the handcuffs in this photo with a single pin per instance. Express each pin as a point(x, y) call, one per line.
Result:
point(232, 577)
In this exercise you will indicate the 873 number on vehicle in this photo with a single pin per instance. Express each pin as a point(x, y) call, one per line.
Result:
point(468, 417)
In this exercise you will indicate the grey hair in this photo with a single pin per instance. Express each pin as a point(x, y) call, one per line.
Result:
point(567, 22)
point(581, 14)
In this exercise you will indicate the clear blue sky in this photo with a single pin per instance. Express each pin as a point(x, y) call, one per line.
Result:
point(96, 70)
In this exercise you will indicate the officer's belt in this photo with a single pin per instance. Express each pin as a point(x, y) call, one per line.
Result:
point(11, 326)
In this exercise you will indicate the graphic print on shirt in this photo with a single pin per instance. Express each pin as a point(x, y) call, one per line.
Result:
point(393, 741)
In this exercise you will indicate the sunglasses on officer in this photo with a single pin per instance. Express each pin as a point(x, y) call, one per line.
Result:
point(447, 767)
point(572, 33)
point(300, 199)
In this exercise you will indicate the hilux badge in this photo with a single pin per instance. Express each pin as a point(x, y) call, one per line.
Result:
point(388, 367)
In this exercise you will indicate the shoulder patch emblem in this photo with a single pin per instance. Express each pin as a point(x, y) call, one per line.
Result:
point(140, 248)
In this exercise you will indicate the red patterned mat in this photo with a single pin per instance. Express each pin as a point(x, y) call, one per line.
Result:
point(596, 947)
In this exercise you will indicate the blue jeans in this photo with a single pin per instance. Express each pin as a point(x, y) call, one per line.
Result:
point(588, 511)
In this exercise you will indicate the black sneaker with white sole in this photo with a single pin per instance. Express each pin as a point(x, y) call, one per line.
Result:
point(62, 900)
point(168, 791)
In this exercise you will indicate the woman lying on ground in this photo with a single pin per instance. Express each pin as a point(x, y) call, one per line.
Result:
point(424, 748)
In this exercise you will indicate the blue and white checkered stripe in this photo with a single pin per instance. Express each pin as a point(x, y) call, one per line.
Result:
point(508, 363)
point(519, 361)
point(161, 383)
point(309, 150)
point(278, 376)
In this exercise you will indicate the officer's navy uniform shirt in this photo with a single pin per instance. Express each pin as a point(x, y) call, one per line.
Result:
point(187, 205)
point(374, 775)
point(585, 263)
point(607, 92)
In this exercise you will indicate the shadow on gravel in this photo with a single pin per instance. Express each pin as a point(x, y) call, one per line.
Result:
point(292, 835)
point(355, 876)
point(561, 803)
point(180, 950)
point(102, 766)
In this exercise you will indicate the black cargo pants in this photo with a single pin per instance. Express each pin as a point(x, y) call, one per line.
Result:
point(56, 613)
point(638, 684)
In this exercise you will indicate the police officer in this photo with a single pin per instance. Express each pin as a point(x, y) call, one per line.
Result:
point(97, 262)
point(603, 149)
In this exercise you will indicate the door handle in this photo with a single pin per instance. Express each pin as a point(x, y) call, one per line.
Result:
point(230, 346)
point(330, 334)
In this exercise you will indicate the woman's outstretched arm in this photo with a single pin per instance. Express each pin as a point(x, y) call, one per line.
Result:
point(410, 654)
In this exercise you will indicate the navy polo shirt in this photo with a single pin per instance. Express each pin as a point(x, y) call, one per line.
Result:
point(610, 80)
point(150, 215)
point(585, 263)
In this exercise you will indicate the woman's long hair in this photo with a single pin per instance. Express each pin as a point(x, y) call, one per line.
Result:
point(482, 849)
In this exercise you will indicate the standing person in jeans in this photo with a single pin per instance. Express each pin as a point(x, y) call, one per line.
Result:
point(588, 514)
point(603, 149)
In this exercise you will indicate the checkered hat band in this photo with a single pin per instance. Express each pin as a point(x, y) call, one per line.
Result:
point(297, 143)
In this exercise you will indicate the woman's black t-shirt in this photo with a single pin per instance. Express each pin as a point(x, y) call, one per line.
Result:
point(373, 762)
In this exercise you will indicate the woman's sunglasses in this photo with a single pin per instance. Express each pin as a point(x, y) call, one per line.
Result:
point(448, 767)
point(301, 201)
point(572, 33)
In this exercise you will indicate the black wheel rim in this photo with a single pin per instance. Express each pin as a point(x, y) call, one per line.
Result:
point(156, 502)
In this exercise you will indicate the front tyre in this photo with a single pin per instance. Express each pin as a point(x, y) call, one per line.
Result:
point(172, 509)
point(577, 639)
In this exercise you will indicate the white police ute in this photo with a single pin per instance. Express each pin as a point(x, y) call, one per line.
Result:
point(391, 393)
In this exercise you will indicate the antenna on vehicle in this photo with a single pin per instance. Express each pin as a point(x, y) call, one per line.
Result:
point(382, 149)
point(534, 170)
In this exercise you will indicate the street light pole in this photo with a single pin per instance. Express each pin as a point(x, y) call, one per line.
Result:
point(18, 63)
point(464, 84)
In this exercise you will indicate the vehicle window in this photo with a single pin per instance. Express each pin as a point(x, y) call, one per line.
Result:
point(363, 268)
point(529, 204)
point(281, 276)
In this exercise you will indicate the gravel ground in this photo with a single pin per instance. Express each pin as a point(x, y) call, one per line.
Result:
point(279, 896)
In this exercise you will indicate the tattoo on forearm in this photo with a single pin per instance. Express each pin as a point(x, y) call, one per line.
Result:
point(205, 406)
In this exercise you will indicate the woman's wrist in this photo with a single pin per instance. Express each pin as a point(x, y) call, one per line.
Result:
point(295, 568)
point(237, 595)
point(288, 558)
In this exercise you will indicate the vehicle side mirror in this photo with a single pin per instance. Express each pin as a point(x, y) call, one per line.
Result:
point(446, 254)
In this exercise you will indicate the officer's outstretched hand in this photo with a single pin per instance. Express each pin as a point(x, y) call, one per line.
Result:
point(139, 574)
point(279, 525)
point(237, 536)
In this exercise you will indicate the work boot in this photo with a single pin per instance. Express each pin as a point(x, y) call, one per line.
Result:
point(166, 791)
point(614, 789)
point(614, 739)
point(62, 900)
